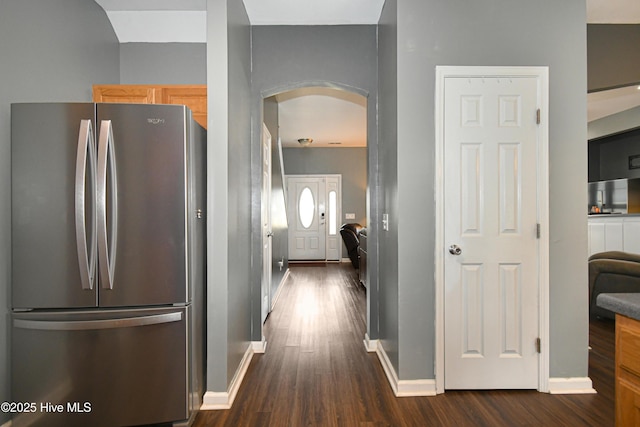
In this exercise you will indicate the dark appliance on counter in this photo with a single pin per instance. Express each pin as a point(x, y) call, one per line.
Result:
point(108, 241)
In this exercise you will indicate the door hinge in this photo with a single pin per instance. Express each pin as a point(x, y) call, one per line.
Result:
point(538, 345)
point(538, 230)
point(538, 116)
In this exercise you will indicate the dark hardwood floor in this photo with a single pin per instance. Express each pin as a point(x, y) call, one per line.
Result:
point(316, 372)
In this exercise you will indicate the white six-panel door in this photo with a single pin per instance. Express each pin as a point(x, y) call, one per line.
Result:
point(267, 240)
point(491, 318)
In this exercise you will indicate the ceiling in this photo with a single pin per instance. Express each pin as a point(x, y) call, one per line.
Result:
point(323, 114)
point(331, 117)
point(613, 11)
point(147, 21)
point(605, 103)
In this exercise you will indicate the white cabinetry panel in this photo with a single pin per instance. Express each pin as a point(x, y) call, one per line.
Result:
point(619, 233)
point(596, 237)
point(631, 235)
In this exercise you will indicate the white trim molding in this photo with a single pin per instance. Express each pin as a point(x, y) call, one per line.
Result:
point(224, 400)
point(259, 347)
point(279, 291)
point(404, 388)
point(542, 74)
point(571, 386)
point(370, 345)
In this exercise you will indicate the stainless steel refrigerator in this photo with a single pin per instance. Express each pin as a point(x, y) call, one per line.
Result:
point(108, 241)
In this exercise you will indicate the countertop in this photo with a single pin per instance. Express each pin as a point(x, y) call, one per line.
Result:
point(625, 304)
point(612, 215)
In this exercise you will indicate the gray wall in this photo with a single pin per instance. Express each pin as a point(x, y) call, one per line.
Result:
point(74, 47)
point(229, 186)
point(388, 154)
point(491, 32)
point(610, 156)
point(51, 51)
point(606, 158)
point(350, 162)
point(279, 223)
point(613, 48)
point(288, 57)
point(163, 63)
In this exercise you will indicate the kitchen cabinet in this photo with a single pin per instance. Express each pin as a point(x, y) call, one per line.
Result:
point(193, 96)
point(627, 371)
point(126, 94)
point(627, 365)
point(614, 233)
point(631, 235)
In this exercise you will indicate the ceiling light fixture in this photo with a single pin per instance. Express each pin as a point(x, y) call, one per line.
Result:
point(305, 141)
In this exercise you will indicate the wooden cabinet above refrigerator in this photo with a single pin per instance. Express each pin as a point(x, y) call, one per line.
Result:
point(193, 96)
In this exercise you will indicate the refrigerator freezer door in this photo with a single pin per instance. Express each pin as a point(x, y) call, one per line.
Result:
point(106, 368)
point(107, 206)
point(86, 202)
point(149, 263)
point(46, 263)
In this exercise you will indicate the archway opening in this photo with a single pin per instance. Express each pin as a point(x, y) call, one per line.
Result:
point(317, 129)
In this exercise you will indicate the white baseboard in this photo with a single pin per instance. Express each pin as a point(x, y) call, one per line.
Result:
point(370, 345)
point(403, 388)
point(259, 347)
point(280, 286)
point(412, 388)
point(224, 400)
point(577, 385)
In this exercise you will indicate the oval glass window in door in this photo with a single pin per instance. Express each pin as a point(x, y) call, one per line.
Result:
point(306, 207)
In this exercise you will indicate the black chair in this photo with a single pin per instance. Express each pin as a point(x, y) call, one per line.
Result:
point(349, 233)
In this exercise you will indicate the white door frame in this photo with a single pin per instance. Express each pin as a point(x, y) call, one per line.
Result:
point(542, 74)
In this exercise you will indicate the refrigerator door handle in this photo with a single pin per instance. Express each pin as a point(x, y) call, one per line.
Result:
point(85, 325)
point(107, 232)
point(86, 250)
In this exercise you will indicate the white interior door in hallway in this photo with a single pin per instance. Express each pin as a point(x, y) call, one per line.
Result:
point(491, 232)
point(267, 234)
point(314, 207)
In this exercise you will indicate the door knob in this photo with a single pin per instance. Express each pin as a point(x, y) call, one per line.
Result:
point(455, 250)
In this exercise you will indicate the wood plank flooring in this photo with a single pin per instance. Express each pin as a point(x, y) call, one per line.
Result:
point(316, 372)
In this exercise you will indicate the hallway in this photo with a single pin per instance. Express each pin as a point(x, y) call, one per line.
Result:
point(316, 372)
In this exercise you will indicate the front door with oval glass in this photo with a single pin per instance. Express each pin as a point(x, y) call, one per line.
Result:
point(313, 210)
